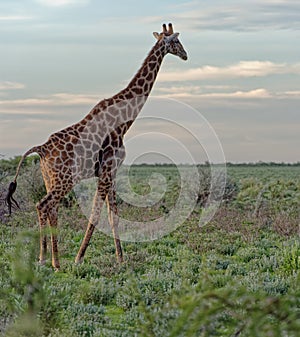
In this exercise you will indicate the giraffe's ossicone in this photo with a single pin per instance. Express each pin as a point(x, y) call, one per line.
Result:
point(94, 147)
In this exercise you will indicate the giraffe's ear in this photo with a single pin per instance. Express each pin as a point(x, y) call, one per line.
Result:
point(156, 35)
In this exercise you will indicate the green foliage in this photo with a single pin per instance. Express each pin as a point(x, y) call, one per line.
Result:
point(237, 276)
point(233, 311)
point(31, 184)
point(26, 282)
point(9, 166)
point(291, 258)
point(27, 288)
point(25, 326)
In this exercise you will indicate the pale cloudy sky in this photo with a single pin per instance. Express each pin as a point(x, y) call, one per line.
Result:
point(60, 57)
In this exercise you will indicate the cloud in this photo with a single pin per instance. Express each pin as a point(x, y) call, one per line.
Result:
point(73, 99)
point(59, 99)
point(231, 15)
point(241, 69)
point(14, 17)
point(195, 92)
point(251, 16)
point(291, 94)
point(256, 93)
point(43, 105)
point(11, 85)
point(61, 3)
point(191, 89)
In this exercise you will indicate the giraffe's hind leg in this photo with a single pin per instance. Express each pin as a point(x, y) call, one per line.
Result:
point(52, 217)
point(113, 219)
point(43, 236)
point(47, 210)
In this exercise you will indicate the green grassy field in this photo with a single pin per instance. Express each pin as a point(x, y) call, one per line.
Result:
point(237, 276)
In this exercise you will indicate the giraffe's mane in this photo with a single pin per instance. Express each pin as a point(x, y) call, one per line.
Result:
point(146, 60)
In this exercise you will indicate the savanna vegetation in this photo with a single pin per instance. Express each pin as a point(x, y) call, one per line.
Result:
point(237, 276)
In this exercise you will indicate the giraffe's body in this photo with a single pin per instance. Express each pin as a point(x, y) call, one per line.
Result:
point(94, 147)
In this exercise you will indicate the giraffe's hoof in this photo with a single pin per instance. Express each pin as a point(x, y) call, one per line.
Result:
point(42, 262)
point(78, 260)
point(56, 266)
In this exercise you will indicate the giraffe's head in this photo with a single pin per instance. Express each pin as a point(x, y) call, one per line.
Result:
point(170, 39)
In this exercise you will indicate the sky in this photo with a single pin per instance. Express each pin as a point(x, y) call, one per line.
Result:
point(242, 77)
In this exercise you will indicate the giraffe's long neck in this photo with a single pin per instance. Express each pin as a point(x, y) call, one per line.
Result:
point(143, 81)
point(121, 110)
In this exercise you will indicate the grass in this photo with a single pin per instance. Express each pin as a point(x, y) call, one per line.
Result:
point(236, 276)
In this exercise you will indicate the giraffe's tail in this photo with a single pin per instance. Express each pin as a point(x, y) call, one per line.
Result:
point(9, 200)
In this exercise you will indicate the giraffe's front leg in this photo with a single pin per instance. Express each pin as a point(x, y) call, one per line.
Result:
point(94, 218)
point(85, 243)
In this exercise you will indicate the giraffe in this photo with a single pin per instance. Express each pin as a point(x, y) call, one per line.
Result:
point(94, 147)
